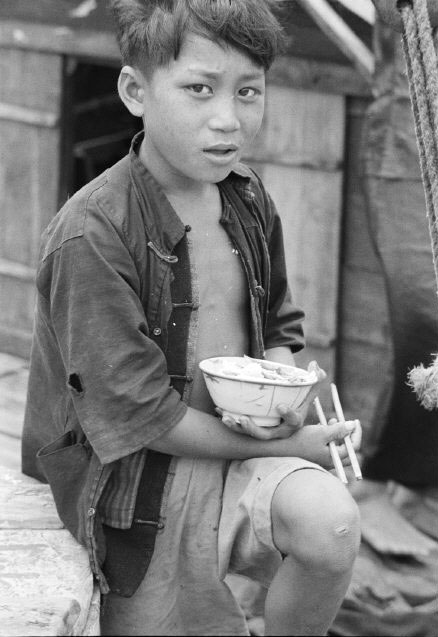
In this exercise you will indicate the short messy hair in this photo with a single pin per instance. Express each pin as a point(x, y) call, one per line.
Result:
point(150, 32)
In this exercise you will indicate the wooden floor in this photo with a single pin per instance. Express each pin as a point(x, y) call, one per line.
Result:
point(37, 598)
point(13, 384)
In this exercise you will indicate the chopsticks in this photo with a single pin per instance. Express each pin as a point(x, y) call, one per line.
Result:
point(341, 418)
point(337, 462)
point(332, 445)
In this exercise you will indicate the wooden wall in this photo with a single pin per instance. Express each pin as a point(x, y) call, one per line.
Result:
point(30, 121)
point(299, 155)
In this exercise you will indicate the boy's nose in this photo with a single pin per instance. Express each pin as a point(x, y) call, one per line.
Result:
point(225, 117)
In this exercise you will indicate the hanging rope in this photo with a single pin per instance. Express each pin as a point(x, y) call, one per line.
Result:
point(422, 70)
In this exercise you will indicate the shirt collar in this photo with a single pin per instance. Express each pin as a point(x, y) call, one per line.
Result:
point(163, 225)
point(162, 222)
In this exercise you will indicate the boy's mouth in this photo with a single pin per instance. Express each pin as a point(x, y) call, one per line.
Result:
point(223, 151)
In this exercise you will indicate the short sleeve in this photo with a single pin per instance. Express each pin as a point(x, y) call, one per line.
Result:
point(117, 376)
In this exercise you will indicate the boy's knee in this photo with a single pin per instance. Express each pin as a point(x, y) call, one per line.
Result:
point(319, 529)
point(342, 538)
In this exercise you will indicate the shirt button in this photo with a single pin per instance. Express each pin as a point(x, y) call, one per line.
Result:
point(91, 512)
point(187, 228)
point(157, 331)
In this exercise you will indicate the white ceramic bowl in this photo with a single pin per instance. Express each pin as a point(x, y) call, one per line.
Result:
point(255, 397)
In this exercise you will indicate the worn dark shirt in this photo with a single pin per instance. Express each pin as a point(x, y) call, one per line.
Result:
point(98, 367)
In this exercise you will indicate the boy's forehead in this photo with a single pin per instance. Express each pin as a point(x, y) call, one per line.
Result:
point(210, 57)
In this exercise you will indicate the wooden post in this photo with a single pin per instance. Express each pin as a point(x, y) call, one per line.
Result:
point(30, 115)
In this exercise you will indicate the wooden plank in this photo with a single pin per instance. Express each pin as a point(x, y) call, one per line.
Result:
point(32, 117)
point(17, 270)
point(294, 71)
point(45, 566)
point(30, 79)
point(36, 553)
point(301, 128)
point(10, 452)
point(30, 91)
point(9, 364)
point(309, 203)
point(26, 503)
point(363, 8)
point(318, 75)
point(27, 156)
point(11, 417)
point(15, 341)
point(342, 35)
point(18, 312)
point(22, 616)
point(62, 40)
point(14, 376)
point(13, 388)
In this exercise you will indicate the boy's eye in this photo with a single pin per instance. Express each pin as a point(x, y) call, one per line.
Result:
point(248, 92)
point(200, 89)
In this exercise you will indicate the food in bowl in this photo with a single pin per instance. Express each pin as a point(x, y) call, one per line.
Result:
point(254, 387)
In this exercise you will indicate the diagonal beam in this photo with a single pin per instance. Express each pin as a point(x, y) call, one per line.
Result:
point(362, 8)
point(342, 35)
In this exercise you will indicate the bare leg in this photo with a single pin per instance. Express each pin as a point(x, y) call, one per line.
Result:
point(316, 526)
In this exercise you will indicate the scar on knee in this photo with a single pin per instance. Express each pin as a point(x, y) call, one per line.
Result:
point(342, 530)
point(75, 383)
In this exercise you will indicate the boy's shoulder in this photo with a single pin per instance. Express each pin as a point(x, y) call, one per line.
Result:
point(107, 195)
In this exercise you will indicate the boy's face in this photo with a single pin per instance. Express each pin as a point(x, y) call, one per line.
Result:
point(200, 113)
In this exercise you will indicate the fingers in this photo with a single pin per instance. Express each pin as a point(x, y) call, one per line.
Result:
point(245, 425)
point(321, 375)
point(336, 432)
point(282, 430)
point(232, 424)
point(294, 419)
point(356, 436)
point(314, 367)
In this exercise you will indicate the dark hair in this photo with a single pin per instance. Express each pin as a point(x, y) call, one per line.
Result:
point(150, 32)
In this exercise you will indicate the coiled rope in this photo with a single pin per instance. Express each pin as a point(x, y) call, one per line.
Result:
point(422, 71)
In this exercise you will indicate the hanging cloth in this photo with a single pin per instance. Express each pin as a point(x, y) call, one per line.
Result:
point(422, 71)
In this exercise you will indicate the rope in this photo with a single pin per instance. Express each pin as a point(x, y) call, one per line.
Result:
point(422, 71)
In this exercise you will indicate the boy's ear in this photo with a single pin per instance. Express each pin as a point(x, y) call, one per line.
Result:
point(131, 91)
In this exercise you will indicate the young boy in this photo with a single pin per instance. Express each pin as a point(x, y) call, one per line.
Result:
point(173, 255)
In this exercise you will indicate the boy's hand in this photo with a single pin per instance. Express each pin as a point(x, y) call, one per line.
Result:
point(292, 419)
point(295, 417)
point(311, 442)
point(248, 427)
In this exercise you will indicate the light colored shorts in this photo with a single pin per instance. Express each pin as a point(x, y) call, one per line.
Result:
point(246, 545)
point(217, 518)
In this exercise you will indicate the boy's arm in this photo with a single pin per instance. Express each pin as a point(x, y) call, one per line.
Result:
point(198, 434)
point(203, 436)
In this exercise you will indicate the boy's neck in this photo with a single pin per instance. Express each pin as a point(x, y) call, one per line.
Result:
point(174, 187)
point(196, 210)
